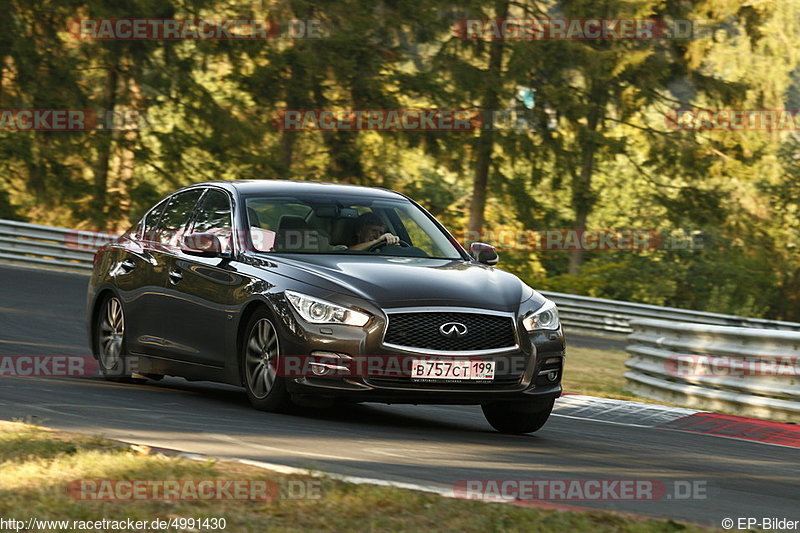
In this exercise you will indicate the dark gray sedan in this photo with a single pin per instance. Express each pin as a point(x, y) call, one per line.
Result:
point(309, 293)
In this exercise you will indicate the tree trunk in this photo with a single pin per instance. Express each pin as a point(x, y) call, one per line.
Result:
point(485, 144)
point(582, 195)
point(296, 98)
point(287, 152)
point(125, 163)
point(582, 207)
point(344, 154)
point(104, 147)
point(37, 169)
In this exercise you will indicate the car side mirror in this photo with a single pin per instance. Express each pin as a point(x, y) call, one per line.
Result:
point(202, 245)
point(484, 253)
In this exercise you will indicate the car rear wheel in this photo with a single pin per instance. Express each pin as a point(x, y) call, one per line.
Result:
point(517, 417)
point(260, 356)
point(109, 342)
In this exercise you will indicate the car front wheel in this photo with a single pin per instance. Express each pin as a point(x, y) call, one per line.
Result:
point(517, 417)
point(260, 356)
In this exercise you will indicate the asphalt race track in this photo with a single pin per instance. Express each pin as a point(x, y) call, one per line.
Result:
point(41, 313)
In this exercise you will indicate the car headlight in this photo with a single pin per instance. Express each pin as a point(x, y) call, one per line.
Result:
point(546, 317)
point(319, 311)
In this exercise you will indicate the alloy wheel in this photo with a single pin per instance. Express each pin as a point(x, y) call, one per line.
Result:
point(262, 358)
point(111, 334)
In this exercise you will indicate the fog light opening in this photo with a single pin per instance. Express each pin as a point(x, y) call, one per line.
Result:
point(550, 371)
point(551, 375)
point(335, 364)
point(320, 369)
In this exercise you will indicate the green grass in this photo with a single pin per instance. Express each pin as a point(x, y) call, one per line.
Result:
point(596, 373)
point(601, 373)
point(36, 465)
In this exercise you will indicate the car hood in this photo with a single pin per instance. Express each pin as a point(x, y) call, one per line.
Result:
point(410, 281)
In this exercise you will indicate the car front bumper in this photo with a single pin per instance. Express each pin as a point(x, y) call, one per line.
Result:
point(531, 371)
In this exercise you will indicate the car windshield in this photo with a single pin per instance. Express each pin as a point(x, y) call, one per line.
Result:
point(351, 225)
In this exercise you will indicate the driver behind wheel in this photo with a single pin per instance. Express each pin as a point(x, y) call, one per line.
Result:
point(370, 230)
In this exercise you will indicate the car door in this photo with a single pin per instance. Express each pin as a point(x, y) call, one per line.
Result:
point(164, 241)
point(199, 325)
point(138, 276)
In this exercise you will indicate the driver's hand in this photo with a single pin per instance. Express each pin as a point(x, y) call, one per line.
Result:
point(390, 239)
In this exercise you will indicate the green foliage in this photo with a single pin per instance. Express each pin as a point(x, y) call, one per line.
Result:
point(596, 150)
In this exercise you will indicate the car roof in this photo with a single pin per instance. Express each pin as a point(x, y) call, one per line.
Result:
point(277, 187)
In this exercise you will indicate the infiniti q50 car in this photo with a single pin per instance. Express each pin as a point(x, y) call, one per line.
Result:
point(305, 292)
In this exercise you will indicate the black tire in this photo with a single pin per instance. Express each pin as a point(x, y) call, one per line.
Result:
point(259, 356)
point(517, 418)
point(109, 344)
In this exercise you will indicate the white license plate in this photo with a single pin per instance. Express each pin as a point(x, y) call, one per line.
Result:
point(430, 369)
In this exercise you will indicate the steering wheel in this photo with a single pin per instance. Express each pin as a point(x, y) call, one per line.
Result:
point(382, 244)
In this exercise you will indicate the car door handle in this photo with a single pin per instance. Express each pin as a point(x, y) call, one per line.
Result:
point(175, 276)
point(127, 265)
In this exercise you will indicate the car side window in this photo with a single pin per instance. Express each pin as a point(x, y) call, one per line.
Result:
point(176, 214)
point(148, 223)
point(214, 216)
point(279, 223)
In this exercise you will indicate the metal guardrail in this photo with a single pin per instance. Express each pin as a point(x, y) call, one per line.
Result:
point(744, 370)
point(34, 244)
point(612, 318)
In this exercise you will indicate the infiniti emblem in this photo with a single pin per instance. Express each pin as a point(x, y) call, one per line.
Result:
point(452, 330)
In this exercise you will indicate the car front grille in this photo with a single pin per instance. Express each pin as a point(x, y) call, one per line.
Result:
point(420, 331)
